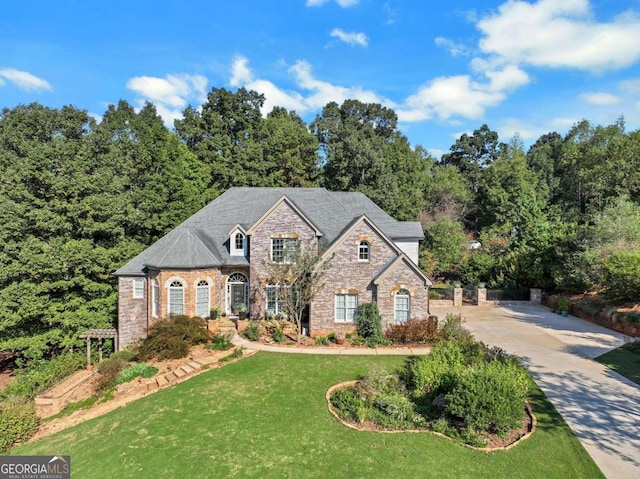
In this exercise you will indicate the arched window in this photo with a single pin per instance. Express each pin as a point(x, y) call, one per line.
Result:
point(176, 298)
point(203, 307)
point(403, 306)
point(363, 251)
point(239, 241)
point(155, 298)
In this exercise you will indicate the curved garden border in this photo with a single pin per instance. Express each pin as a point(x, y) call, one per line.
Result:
point(345, 384)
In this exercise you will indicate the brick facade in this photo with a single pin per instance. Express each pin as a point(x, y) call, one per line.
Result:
point(347, 274)
point(283, 221)
point(132, 312)
point(376, 279)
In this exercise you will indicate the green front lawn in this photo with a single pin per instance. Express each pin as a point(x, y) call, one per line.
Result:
point(266, 416)
point(623, 362)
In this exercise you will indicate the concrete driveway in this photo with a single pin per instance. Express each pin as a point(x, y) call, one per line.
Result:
point(601, 407)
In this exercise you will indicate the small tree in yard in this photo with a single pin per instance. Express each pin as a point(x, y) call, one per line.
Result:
point(300, 279)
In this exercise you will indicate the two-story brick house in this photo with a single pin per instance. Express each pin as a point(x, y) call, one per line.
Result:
point(219, 257)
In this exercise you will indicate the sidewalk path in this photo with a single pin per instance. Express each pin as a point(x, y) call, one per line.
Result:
point(601, 407)
point(380, 351)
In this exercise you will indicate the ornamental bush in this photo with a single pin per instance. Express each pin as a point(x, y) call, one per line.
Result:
point(369, 322)
point(436, 372)
point(490, 396)
point(622, 276)
point(413, 331)
point(172, 338)
point(18, 422)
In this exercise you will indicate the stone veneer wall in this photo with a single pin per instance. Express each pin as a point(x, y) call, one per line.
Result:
point(346, 273)
point(283, 221)
point(402, 277)
point(132, 313)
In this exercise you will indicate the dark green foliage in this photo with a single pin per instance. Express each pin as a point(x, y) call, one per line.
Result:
point(622, 276)
point(142, 370)
point(490, 396)
point(126, 355)
point(436, 372)
point(251, 332)
point(321, 340)
point(172, 338)
point(221, 342)
point(348, 404)
point(633, 346)
point(18, 422)
point(368, 321)
point(109, 371)
point(633, 317)
point(278, 335)
point(413, 331)
point(41, 374)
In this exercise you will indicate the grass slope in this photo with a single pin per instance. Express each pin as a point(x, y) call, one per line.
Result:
point(266, 416)
point(623, 362)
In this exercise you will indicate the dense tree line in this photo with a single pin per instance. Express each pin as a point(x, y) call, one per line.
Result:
point(78, 198)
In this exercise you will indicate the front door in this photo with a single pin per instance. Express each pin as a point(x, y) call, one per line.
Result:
point(237, 296)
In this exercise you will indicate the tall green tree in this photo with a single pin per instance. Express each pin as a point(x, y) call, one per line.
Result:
point(363, 150)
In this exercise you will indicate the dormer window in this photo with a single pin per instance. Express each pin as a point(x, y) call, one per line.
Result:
point(237, 243)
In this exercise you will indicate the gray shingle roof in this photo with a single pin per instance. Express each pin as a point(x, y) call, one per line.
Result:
point(202, 240)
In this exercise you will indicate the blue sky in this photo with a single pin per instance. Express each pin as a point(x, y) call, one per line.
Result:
point(526, 67)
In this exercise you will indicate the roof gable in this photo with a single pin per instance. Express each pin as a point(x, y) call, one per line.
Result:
point(402, 259)
point(274, 207)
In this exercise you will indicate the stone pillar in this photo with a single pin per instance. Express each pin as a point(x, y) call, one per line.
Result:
point(481, 296)
point(457, 297)
point(535, 295)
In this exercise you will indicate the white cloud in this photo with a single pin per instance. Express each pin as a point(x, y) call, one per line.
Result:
point(24, 80)
point(509, 127)
point(351, 38)
point(600, 98)
point(455, 49)
point(170, 94)
point(460, 95)
point(342, 3)
point(630, 86)
point(319, 92)
point(560, 34)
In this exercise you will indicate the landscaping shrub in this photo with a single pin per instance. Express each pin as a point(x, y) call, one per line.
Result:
point(251, 332)
point(18, 422)
point(413, 331)
point(633, 317)
point(400, 410)
point(235, 354)
point(136, 370)
point(321, 340)
point(348, 404)
point(436, 372)
point(278, 335)
point(41, 374)
point(622, 276)
point(172, 338)
point(126, 355)
point(490, 396)
point(452, 328)
point(221, 342)
point(109, 370)
point(368, 321)
point(633, 346)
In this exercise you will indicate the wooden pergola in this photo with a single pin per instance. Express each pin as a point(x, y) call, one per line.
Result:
point(100, 335)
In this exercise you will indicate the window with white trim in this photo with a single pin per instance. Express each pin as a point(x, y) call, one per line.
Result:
point(346, 307)
point(203, 306)
point(176, 298)
point(275, 300)
point(138, 288)
point(363, 251)
point(284, 250)
point(155, 298)
point(239, 241)
point(402, 306)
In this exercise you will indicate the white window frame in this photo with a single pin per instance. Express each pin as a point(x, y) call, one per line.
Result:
point(155, 298)
point(286, 249)
point(278, 305)
point(172, 287)
point(233, 243)
point(364, 249)
point(403, 294)
point(138, 288)
point(348, 310)
point(236, 278)
point(203, 285)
